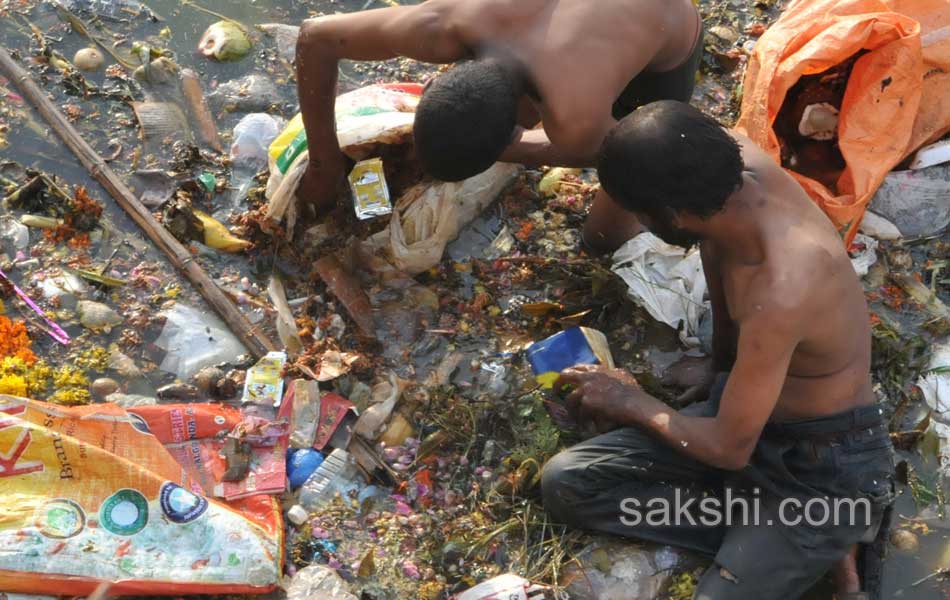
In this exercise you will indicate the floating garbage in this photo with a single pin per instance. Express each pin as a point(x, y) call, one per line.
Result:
point(251, 93)
point(88, 59)
point(193, 340)
point(252, 136)
point(97, 316)
point(225, 41)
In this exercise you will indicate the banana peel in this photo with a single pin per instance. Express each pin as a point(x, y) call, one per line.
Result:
point(217, 235)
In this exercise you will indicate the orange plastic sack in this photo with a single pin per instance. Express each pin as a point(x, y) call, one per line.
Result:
point(897, 98)
point(90, 495)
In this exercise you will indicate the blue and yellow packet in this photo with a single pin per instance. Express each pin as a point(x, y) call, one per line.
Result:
point(569, 348)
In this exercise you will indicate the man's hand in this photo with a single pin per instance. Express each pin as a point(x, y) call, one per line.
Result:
point(323, 184)
point(600, 395)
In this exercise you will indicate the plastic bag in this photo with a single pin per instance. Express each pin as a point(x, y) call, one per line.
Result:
point(194, 434)
point(666, 280)
point(897, 98)
point(372, 114)
point(318, 581)
point(92, 495)
point(193, 340)
point(430, 215)
point(252, 136)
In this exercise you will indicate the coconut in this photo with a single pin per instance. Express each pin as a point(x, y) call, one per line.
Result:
point(225, 41)
point(88, 59)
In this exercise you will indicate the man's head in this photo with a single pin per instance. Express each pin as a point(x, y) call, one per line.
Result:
point(466, 118)
point(668, 162)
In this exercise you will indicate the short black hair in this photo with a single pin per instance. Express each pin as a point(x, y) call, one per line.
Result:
point(666, 157)
point(466, 118)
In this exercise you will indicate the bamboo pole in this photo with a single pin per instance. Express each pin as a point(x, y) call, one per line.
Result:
point(255, 340)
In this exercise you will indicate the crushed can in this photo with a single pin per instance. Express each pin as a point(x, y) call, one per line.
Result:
point(370, 193)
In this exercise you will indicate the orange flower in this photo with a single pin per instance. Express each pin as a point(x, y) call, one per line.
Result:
point(14, 341)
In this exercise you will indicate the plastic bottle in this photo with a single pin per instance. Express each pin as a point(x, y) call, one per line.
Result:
point(339, 473)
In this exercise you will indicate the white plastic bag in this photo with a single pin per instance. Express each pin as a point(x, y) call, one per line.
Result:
point(430, 215)
point(194, 340)
point(666, 280)
point(252, 135)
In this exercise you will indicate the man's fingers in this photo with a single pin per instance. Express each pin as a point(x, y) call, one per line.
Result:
point(573, 402)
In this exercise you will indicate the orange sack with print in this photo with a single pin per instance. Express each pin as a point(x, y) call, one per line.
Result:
point(896, 99)
point(93, 495)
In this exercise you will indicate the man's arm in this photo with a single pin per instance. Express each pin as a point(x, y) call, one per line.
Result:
point(724, 329)
point(726, 441)
point(424, 32)
point(571, 147)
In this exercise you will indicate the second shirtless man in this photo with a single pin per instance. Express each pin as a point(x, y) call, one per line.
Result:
point(574, 65)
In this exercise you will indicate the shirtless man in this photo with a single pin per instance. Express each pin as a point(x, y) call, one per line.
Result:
point(576, 65)
point(791, 416)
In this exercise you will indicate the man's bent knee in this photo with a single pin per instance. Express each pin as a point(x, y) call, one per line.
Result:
point(560, 486)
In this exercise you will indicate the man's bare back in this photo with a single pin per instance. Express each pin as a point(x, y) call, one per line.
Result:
point(572, 59)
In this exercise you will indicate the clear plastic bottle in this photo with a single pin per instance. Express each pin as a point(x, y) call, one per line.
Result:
point(339, 473)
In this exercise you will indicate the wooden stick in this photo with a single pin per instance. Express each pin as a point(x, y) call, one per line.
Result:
point(255, 340)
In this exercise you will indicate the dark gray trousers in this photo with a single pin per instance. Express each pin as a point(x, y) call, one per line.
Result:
point(811, 491)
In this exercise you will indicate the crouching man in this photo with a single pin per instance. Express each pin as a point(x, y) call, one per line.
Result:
point(573, 65)
point(787, 466)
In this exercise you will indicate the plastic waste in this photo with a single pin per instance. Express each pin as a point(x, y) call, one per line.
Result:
point(915, 201)
point(666, 280)
point(64, 284)
point(264, 384)
point(252, 135)
point(14, 235)
point(385, 394)
point(878, 227)
point(301, 463)
point(286, 36)
point(248, 94)
point(151, 519)
point(615, 570)
point(306, 398)
point(934, 384)
point(318, 581)
point(863, 254)
point(297, 515)
point(429, 216)
point(930, 155)
point(338, 474)
point(193, 340)
point(116, 9)
point(505, 587)
point(885, 117)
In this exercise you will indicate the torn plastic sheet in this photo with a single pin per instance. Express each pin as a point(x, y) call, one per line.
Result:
point(666, 280)
point(934, 384)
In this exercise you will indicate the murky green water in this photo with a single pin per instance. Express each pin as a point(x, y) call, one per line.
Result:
point(184, 25)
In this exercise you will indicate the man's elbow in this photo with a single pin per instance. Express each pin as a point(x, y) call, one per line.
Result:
point(733, 455)
point(314, 40)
